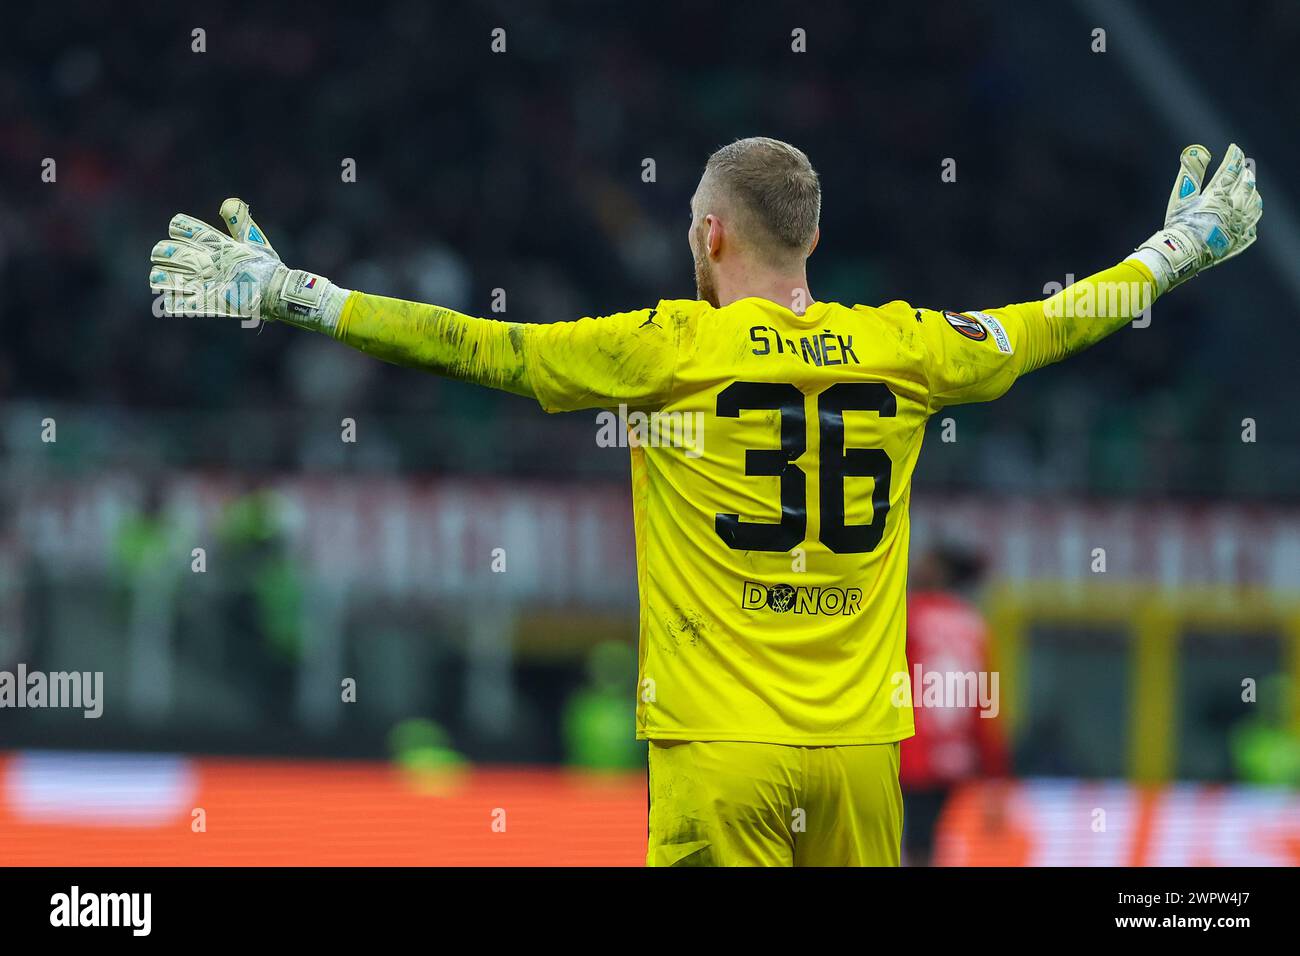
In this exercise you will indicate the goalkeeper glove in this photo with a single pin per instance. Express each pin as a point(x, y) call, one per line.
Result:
point(201, 272)
point(1203, 227)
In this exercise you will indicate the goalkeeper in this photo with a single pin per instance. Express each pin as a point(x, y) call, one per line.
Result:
point(772, 680)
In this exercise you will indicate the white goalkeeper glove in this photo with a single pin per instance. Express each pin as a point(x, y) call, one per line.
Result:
point(201, 272)
point(1203, 227)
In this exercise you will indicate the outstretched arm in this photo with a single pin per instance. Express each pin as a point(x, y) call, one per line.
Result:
point(1203, 228)
point(435, 339)
point(592, 363)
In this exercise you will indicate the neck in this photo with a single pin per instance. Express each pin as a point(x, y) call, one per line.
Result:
point(786, 289)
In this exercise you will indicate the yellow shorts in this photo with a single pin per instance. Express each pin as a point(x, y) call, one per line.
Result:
point(721, 803)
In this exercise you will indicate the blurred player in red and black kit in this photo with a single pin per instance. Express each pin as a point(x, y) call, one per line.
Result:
point(945, 634)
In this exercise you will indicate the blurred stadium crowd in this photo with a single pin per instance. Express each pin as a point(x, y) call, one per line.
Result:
point(522, 171)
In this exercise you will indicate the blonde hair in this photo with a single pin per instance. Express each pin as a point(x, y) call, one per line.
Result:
point(775, 188)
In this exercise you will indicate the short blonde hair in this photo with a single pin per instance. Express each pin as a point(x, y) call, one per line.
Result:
point(775, 184)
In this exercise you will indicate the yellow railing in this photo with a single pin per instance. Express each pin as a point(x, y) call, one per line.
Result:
point(1156, 620)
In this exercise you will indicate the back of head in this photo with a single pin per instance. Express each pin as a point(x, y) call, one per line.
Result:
point(770, 191)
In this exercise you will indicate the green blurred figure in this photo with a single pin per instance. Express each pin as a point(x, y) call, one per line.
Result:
point(1266, 748)
point(142, 542)
point(599, 719)
point(263, 600)
point(148, 568)
point(422, 749)
point(252, 535)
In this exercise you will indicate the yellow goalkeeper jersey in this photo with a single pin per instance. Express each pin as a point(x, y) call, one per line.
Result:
point(771, 469)
point(771, 474)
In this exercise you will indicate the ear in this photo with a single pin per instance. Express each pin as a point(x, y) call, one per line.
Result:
point(714, 238)
point(817, 236)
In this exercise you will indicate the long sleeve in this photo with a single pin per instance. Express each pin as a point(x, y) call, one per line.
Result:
point(976, 356)
point(629, 357)
point(435, 339)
